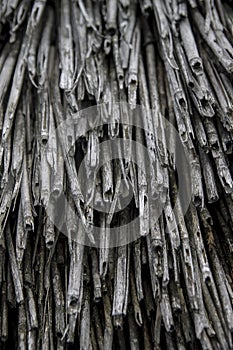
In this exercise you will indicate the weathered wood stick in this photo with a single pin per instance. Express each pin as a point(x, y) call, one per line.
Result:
point(13, 266)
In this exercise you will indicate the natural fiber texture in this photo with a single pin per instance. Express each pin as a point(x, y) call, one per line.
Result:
point(171, 288)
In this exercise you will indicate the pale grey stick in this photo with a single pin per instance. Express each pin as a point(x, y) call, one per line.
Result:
point(14, 268)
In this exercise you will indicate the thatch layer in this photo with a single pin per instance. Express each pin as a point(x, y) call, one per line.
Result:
point(171, 288)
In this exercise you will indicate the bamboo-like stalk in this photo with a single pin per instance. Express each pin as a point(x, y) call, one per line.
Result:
point(121, 284)
point(108, 330)
point(14, 268)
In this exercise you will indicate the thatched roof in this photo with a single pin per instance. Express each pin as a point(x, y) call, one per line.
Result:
point(116, 205)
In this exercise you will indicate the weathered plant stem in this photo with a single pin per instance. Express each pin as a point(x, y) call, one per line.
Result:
point(72, 74)
point(13, 266)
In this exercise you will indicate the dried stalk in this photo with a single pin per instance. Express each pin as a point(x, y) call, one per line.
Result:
point(172, 288)
point(14, 268)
